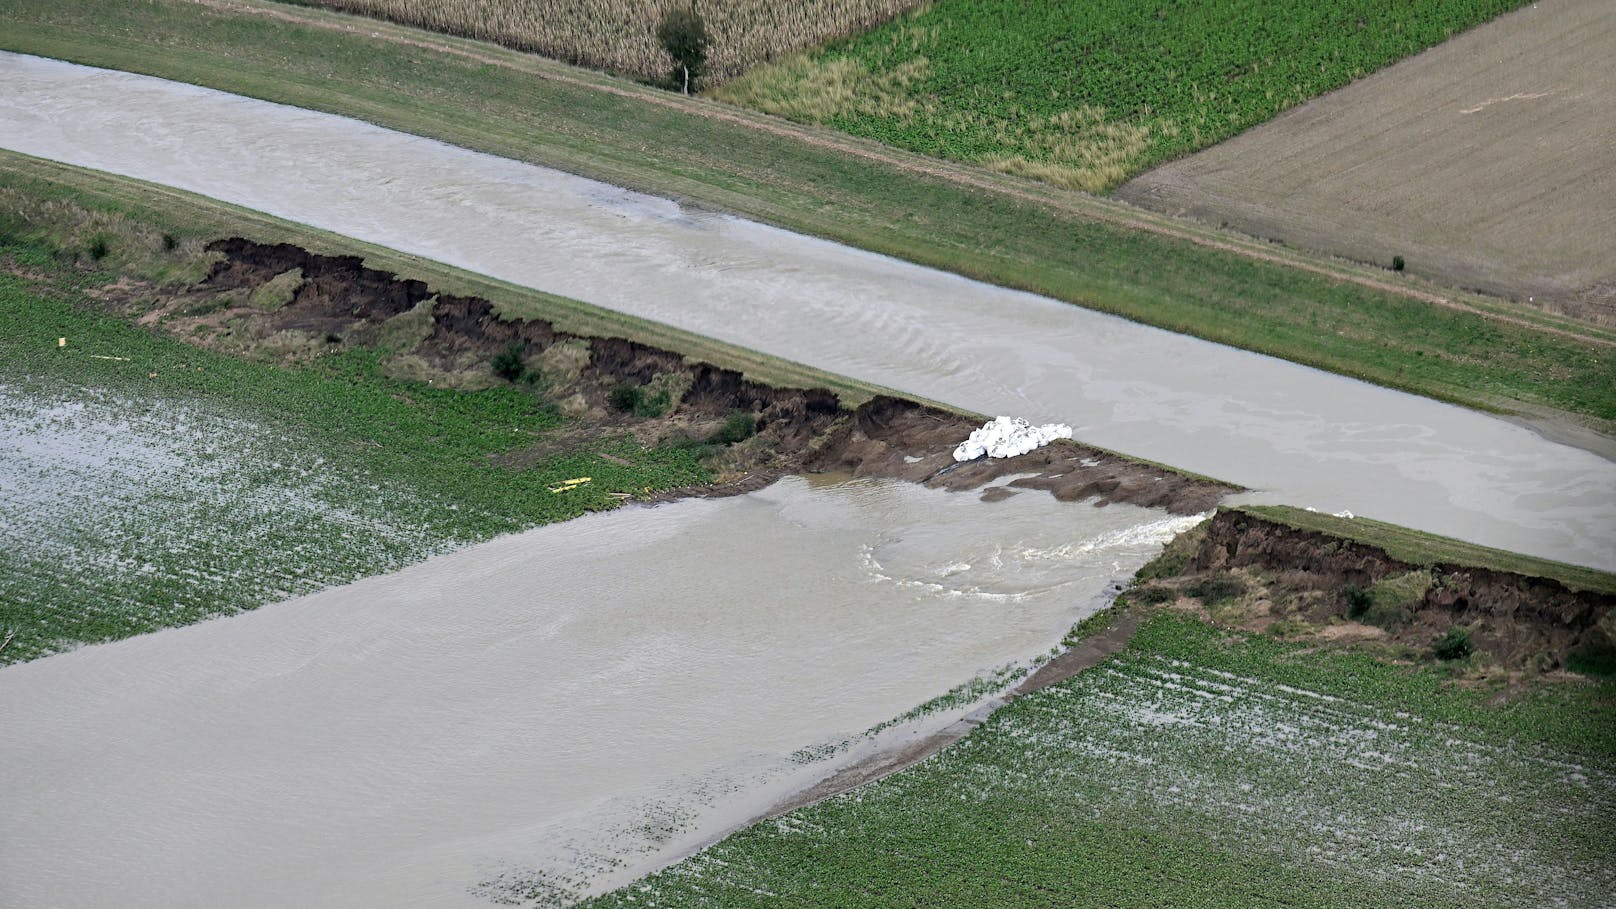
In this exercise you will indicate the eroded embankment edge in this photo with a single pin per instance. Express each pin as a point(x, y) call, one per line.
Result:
point(283, 301)
point(1258, 573)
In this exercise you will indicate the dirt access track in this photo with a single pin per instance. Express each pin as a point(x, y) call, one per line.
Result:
point(1487, 162)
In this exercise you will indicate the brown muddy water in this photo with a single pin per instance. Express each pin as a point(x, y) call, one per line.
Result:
point(564, 708)
point(1296, 435)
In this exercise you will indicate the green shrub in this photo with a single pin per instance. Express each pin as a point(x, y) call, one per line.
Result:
point(1151, 595)
point(652, 404)
point(1594, 662)
point(1388, 616)
point(625, 398)
point(508, 363)
point(99, 248)
point(1397, 263)
point(1215, 590)
point(1455, 645)
point(738, 428)
point(169, 243)
point(1358, 601)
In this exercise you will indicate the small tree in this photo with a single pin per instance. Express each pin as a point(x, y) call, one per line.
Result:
point(684, 36)
point(1455, 645)
point(508, 363)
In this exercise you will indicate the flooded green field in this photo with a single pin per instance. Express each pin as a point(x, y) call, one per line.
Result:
point(1207, 768)
point(149, 483)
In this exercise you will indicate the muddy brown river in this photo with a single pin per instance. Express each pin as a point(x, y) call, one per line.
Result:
point(564, 708)
point(1296, 435)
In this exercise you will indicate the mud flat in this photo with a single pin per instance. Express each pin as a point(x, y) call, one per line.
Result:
point(1297, 435)
point(542, 715)
point(1485, 162)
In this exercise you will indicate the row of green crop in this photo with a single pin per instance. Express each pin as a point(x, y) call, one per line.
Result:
point(243, 482)
point(1112, 86)
point(1208, 769)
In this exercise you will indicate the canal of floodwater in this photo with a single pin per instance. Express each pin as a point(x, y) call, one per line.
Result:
point(557, 711)
point(1295, 435)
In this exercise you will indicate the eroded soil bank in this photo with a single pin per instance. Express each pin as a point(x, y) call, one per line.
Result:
point(283, 303)
point(1258, 574)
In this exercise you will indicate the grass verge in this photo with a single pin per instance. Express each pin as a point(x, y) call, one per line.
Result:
point(1468, 350)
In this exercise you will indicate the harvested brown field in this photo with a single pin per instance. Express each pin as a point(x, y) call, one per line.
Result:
point(1488, 162)
point(620, 36)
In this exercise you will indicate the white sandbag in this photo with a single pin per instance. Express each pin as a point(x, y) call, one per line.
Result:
point(1007, 437)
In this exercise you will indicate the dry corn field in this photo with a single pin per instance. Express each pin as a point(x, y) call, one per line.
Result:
point(620, 35)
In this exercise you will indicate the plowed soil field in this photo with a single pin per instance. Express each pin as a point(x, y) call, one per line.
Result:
point(1488, 162)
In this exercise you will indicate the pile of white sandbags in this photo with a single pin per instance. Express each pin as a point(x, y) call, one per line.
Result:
point(1006, 437)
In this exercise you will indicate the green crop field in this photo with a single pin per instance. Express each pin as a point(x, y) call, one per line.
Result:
point(1204, 768)
point(150, 483)
point(1084, 95)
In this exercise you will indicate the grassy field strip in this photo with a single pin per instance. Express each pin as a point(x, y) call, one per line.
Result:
point(1159, 778)
point(1338, 317)
point(134, 214)
point(1419, 548)
point(1086, 95)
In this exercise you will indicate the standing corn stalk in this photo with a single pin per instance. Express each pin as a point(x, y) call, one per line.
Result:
point(684, 36)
